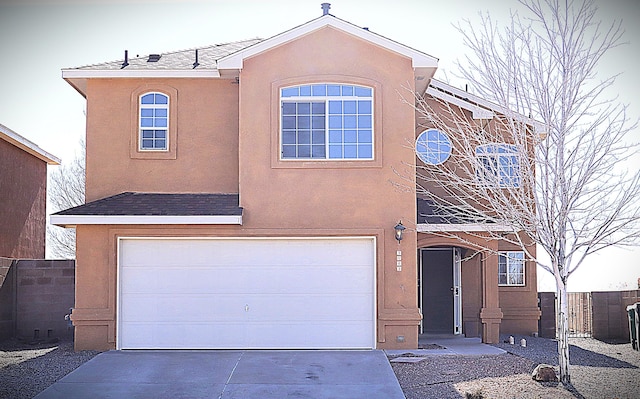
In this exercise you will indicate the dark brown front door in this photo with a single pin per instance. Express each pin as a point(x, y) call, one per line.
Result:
point(436, 288)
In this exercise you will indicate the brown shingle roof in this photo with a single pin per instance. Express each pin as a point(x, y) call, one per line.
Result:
point(207, 58)
point(431, 213)
point(160, 204)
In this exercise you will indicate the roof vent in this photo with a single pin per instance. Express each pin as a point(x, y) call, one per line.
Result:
point(195, 64)
point(325, 8)
point(154, 57)
point(126, 59)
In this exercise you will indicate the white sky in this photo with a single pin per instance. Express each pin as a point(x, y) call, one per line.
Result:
point(40, 37)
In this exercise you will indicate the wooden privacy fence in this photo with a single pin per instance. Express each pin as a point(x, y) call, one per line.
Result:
point(610, 318)
point(580, 314)
point(601, 315)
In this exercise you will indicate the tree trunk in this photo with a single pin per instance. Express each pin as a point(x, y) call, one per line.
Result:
point(563, 333)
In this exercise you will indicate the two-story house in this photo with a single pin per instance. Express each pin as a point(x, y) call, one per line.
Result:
point(240, 196)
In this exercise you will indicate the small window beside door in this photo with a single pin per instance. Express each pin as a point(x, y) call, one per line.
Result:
point(511, 268)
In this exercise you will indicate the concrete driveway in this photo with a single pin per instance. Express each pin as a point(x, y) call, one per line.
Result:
point(231, 374)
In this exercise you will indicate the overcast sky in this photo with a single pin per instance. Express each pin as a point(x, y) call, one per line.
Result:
point(40, 37)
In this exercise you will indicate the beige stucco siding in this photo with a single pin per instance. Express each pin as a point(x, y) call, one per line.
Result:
point(205, 125)
point(332, 194)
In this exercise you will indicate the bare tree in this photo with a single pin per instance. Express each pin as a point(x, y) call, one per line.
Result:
point(66, 190)
point(543, 164)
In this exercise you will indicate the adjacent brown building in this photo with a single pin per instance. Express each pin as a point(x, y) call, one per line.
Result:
point(23, 196)
point(241, 196)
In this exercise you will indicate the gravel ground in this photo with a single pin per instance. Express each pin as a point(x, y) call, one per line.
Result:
point(598, 370)
point(26, 370)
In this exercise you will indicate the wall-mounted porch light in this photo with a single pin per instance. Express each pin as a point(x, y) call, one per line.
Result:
point(399, 228)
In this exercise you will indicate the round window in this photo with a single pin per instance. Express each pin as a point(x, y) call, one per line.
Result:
point(433, 147)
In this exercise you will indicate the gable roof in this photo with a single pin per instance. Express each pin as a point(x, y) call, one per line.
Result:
point(419, 59)
point(154, 208)
point(17, 140)
point(228, 58)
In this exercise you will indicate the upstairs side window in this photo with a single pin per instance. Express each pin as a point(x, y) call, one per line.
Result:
point(511, 268)
point(154, 122)
point(499, 165)
point(326, 121)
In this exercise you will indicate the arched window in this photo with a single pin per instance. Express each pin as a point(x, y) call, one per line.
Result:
point(154, 122)
point(326, 121)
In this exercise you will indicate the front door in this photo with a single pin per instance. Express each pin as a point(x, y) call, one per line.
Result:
point(440, 291)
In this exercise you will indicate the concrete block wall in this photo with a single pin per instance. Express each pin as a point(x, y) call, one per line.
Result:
point(38, 296)
point(7, 298)
point(46, 291)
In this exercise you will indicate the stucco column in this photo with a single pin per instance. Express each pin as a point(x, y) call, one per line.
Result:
point(490, 314)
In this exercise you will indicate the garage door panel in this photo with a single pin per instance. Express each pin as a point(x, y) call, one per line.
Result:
point(234, 279)
point(185, 279)
point(234, 252)
point(239, 293)
point(311, 335)
point(299, 307)
point(192, 335)
point(309, 279)
point(184, 308)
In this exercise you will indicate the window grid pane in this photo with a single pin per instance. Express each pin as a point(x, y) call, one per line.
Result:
point(511, 268)
point(154, 121)
point(498, 165)
point(433, 147)
point(335, 122)
point(303, 125)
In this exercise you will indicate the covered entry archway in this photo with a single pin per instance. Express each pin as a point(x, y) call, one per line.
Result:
point(480, 311)
point(439, 290)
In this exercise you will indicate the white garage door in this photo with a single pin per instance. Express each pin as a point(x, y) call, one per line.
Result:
point(246, 293)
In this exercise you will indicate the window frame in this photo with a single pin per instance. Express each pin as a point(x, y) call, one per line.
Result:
point(172, 131)
point(154, 129)
point(491, 173)
point(423, 157)
point(325, 99)
point(509, 258)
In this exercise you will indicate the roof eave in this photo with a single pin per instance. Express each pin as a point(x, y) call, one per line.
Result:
point(77, 78)
point(74, 220)
point(28, 146)
point(477, 112)
point(462, 227)
point(80, 84)
point(70, 74)
point(471, 99)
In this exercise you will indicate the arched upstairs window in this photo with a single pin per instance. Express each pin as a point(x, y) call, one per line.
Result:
point(154, 122)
